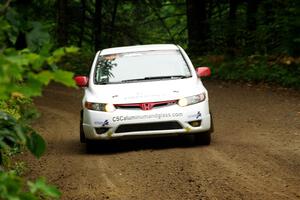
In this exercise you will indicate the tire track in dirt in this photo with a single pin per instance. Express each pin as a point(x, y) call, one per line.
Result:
point(235, 176)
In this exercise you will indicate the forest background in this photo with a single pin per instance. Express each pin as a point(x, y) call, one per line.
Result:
point(51, 40)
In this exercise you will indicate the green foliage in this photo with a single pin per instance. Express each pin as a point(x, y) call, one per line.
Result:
point(23, 74)
point(37, 37)
point(15, 134)
point(40, 186)
point(282, 70)
point(12, 187)
point(36, 144)
point(26, 72)
point(275, 31)
point(78, 63)
point(18, 104)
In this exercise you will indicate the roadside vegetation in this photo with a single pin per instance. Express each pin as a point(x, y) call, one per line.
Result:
point(23, 74)
point(281, 71)
point(255, 41)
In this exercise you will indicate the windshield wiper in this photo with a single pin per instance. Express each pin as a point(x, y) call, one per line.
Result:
point(105, 83)
point(156, 77)
point(167, 77)
point(133, 80)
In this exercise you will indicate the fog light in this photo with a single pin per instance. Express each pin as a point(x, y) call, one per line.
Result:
point(195, 123)
point(101, 130)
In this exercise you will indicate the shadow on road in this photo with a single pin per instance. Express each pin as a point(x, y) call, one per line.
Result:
point(121, 146)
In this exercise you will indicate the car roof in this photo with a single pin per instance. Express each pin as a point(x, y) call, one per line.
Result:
point(136, 48)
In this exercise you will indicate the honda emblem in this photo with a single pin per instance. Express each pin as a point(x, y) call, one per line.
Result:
point(146, 106)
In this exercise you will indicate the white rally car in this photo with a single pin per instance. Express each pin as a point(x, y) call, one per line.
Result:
point(145, 90)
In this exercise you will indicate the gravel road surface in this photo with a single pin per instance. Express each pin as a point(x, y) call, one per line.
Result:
point(255, 151)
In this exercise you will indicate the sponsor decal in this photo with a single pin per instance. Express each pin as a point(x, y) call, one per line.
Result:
point(110, 57)
point(195, 116)
point(141, 117)
point(198, 115)
point(102, 123)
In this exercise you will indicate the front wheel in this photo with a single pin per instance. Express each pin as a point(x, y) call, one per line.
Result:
point(90, 146)
point(203, 138)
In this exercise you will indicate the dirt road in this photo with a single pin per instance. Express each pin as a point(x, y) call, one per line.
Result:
point(255, 152)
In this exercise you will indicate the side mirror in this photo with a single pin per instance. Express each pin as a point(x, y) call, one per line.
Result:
point(203, 71)
point(81, 81)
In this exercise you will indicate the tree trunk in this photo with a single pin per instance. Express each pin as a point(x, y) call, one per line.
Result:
point(21, 41)
point(82, 24)
point(62, 17)
point(232, 9)
point(98, 24)
point(251, 14)
point(112, 24)
point(231, 30)
point(294, 31)
point(198, 27)
point(251, 26)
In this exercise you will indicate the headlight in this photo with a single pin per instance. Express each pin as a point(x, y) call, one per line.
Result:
point(110, 107)
point(105, 107)
point(191, 100)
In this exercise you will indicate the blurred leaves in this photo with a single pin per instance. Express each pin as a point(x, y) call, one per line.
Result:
point(15, 134)
point(40, 186)
point(26, 72)
point(36, 144)
point(12, 187)
point(37, 36)
point(23, 74)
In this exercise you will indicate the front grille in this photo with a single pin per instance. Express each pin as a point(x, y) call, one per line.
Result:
point(148, 127)
point(128, 106)
point(150, 105)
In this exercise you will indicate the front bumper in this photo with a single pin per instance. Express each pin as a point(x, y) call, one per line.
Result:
point(134, 123)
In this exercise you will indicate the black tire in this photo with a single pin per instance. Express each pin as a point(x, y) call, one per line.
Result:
point(212, 127)
point(203, 138)
point(94, 146)
point(82, 136)
point(90, 146)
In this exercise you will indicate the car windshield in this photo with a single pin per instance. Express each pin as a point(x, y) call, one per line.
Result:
point(141, 66)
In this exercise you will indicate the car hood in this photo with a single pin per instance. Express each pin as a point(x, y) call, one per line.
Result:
point(138, 92)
